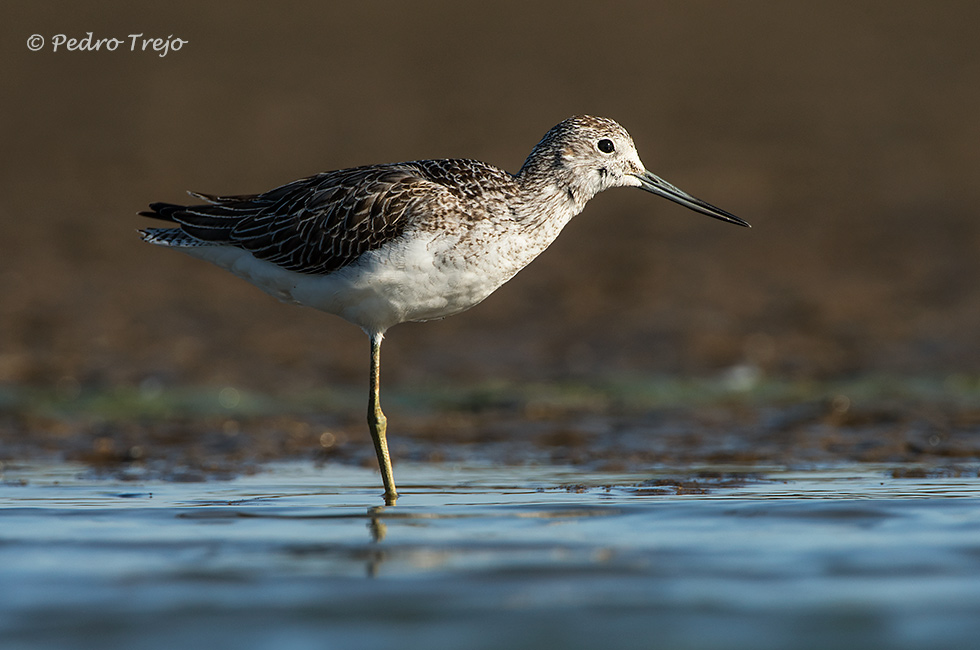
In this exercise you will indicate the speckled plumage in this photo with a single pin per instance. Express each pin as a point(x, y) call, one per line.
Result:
point(320, 224)
point(385, 244)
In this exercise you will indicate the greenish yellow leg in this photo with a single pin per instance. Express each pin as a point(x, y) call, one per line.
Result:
point(378, 423)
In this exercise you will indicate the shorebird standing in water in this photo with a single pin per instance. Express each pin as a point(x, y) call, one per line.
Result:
point(386, 244)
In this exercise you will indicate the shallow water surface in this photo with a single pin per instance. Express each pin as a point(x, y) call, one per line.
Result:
point(303, 557)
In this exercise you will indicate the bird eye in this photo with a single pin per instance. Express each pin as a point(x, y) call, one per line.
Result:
point(606, 145)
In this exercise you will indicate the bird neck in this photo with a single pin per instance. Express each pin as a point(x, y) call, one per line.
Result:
point(550, 191)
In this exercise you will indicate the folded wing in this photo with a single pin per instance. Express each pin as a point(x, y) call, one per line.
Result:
point(314, 225)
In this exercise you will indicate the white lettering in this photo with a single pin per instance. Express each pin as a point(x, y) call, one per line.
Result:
point(89, 43)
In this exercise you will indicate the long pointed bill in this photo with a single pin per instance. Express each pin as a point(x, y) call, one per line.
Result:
point(653, 183)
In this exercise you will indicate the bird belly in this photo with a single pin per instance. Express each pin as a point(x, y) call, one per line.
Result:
point(411, 281)
point(384, 287)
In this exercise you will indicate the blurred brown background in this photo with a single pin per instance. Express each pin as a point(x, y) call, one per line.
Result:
point(847, 133)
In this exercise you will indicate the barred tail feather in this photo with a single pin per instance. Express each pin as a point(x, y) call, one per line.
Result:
point(171, 237)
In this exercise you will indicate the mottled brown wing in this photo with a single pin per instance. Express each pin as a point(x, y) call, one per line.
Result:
point(319, 224)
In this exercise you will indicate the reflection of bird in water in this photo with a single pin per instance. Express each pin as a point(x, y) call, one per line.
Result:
point(378, 530)
point(385, 244)
point(377, 527)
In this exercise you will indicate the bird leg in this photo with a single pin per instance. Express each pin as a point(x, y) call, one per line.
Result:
point(378, 423)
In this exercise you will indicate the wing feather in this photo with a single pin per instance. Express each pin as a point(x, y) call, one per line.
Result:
point(319, 224)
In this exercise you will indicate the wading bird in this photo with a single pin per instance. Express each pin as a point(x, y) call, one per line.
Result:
point(386, 244)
